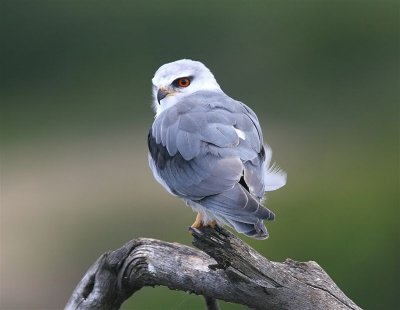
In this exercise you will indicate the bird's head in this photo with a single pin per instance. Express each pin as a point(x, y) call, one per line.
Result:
point(180, 78)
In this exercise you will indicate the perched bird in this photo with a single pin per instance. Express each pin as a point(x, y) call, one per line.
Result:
point(207, 149)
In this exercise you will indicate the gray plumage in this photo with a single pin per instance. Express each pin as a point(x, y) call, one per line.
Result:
point(208, 149)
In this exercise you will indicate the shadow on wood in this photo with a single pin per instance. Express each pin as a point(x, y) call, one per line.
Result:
point(223, 268)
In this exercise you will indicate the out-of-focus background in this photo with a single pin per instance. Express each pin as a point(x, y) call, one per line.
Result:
point(75, 97)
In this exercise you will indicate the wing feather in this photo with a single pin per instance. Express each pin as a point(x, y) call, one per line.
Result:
point(196, 152)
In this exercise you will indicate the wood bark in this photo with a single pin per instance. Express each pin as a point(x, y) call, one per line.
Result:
point(223, 267)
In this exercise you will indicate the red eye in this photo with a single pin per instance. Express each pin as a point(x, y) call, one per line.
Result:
point(183, 82)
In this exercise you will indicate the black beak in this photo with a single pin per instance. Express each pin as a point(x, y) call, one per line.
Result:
point(161, 94)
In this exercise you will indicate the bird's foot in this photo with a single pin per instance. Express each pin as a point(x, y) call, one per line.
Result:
point(212, 224)
point(198, 223)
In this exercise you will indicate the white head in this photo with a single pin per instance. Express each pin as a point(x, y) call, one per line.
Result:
point(180, 78)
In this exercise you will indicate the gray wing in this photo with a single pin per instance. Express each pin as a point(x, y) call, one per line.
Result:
point(202, 132)
point(196, 151)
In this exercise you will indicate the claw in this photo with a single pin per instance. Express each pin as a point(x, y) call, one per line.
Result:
point(212, 224)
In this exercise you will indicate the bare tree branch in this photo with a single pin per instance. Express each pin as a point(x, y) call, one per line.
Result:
point(226, 268)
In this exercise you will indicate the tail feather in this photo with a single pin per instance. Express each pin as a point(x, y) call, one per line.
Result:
point(257, 230)
point(237, 208)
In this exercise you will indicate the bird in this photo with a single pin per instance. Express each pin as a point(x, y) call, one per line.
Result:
point(208, 149)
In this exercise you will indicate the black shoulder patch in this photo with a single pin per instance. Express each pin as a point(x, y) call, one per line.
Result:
point(160, 154)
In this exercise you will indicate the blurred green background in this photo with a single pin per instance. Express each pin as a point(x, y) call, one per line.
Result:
point(75, 93)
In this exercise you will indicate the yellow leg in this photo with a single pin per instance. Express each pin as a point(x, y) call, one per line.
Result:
point(198, 223)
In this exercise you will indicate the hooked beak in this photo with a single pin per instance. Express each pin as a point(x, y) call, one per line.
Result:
point(161, 94)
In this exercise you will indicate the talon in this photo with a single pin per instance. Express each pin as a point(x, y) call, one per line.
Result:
point(198, 223)
point(212, 224)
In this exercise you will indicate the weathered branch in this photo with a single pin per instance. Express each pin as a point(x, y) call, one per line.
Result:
point(226, 268)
